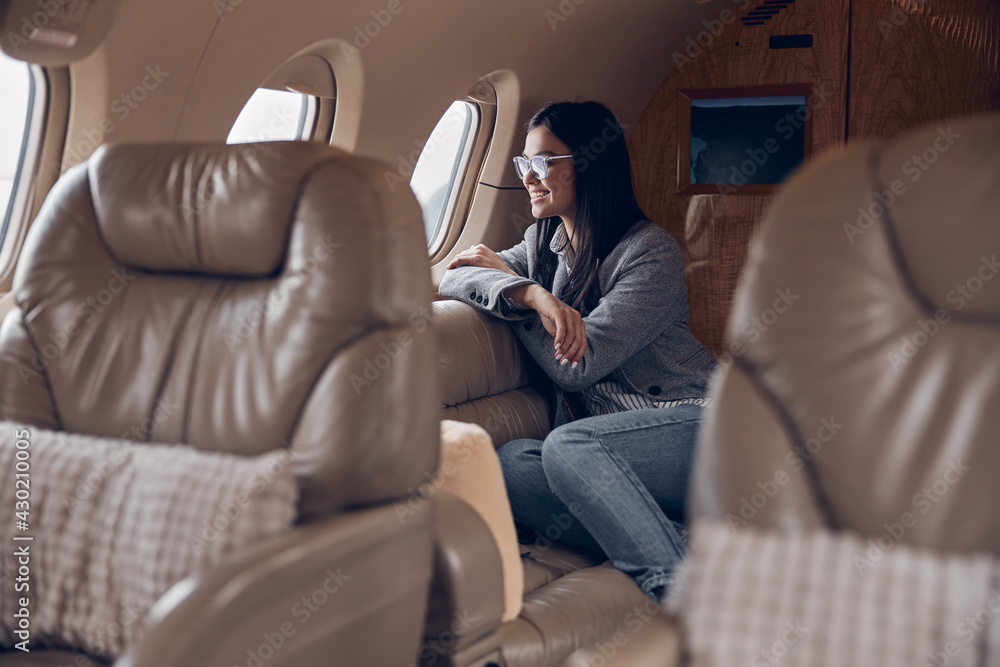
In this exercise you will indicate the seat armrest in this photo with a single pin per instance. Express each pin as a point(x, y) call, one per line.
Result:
point(648, 640)
point(486, 377)
point(301, 598)
point(467, 598)
point(478, 355)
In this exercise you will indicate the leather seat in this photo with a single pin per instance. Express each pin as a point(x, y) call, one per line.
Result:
point(858, 420)
point(268, 293)
point(881, 377)
point(578, 610)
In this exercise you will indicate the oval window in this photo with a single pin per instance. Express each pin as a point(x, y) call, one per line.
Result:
point(18, 89)
point(274, 115)
point(440, 166)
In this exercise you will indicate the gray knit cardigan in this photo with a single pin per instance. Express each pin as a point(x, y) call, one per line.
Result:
point(637, 334)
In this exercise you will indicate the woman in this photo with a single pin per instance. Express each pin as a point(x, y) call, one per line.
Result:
point(596, 295)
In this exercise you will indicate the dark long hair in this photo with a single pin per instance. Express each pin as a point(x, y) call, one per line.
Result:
point(606, 207)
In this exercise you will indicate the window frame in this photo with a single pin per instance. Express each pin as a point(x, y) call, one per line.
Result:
point(15, 222)
point(15, 184)
point(307, 126)
point(308, 115)
point(467, 176)
point(459, 169)
point(326, 112)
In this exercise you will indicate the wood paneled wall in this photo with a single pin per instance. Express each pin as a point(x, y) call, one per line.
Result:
point(918, 61)
point(880, 67)
point(714, 231)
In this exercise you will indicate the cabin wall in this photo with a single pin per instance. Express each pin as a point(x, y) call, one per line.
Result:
point(393, 81)
point(917, 61)
point(878, 68)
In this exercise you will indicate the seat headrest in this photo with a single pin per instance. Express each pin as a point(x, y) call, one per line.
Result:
point(237, 299)
point(866, 345)
point(208, 209)
point(940, 189)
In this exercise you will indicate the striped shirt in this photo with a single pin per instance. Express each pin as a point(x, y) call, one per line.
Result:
point(609, 397)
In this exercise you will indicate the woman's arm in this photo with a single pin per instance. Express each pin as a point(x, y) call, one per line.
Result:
point(479, 277)
point(561, 321)
point(648, 296)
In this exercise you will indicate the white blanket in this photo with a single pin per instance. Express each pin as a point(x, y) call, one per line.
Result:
point(115, 524)
point(835, 599)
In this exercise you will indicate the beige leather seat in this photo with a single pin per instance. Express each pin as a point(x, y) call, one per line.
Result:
point(271, 295)
point(578, 610)
point(874, 393)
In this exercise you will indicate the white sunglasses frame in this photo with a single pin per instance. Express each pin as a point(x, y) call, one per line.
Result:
point(545, 164)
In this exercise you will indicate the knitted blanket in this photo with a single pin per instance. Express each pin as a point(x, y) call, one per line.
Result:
point(96, 530)
point(836, 599)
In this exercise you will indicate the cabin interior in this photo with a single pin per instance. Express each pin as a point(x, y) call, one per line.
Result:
point(219, 152)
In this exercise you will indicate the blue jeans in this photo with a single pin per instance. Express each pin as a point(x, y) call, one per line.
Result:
point(614, 484)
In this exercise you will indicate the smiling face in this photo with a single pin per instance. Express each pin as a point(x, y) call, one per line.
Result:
point(555, 196)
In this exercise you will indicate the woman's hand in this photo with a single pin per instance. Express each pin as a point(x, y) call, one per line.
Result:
point(480, 255)
point(561, 321)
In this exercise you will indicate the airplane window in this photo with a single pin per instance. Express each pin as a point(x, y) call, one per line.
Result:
point(441, 162)
point(18, 89)
point(274, 115)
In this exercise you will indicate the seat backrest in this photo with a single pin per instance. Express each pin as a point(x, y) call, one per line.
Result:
point(487, 378)
point(238, 299)
point(865, 383)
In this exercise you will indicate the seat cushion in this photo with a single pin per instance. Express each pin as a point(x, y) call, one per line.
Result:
point(581, 609)
point(545, 561)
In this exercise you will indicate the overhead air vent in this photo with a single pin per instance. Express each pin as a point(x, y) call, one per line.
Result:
point(790, 41)
point(56, 32)
point(765, 11)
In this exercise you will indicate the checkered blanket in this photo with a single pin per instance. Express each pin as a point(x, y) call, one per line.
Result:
point(115, 524)
point(834, 599)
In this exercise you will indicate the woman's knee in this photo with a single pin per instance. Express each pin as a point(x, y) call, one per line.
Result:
point(563, 447)
point(577, 462)
point(516, 457)
point(518, 451)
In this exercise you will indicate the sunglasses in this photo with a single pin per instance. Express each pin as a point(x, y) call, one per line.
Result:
point(539, 165)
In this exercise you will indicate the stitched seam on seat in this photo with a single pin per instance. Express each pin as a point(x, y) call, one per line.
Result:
point(94, 197)
point(820, 497)
point(45, 368)
point(293, 210)
point(306, 178)
point(225, 282)
point(899, 258)
point(196, 225)
point(167, 367)
point(209, 310)
point(323, 369)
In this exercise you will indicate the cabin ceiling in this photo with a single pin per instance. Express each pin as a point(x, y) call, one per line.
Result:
point(210, 55)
